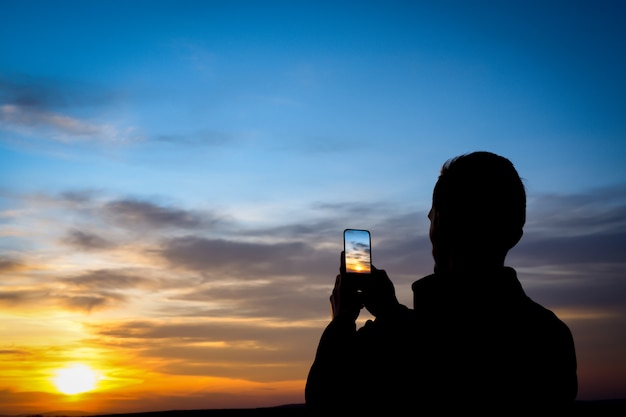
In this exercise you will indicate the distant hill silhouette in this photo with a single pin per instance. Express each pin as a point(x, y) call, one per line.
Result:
point(599, 408)
point(287, 410)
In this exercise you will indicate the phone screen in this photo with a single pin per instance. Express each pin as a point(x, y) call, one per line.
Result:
point(357, 251)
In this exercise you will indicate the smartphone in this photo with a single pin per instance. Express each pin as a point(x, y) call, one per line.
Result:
point(357, 251)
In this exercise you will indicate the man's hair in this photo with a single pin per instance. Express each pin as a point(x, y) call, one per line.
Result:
point(482, 197)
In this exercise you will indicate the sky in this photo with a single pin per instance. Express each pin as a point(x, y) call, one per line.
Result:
point(175, 178)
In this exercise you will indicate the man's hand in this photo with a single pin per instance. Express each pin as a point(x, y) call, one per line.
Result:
point(352, 292)
point(379, 294)
point(345, 300)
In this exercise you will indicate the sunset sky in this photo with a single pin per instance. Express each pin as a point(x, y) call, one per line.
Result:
point(175, 178)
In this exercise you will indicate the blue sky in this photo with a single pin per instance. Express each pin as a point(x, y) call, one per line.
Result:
point(195, 163)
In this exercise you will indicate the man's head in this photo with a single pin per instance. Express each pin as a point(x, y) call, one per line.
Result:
point(479, 210)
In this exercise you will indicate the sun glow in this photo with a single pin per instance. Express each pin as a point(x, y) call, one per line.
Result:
point(75, 379)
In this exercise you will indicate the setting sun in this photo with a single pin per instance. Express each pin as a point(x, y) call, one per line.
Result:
point(75, 379)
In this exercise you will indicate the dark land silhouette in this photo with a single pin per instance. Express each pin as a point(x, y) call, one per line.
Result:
point(596, 408)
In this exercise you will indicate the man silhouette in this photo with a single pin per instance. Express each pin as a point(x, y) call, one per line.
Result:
point(473, 338)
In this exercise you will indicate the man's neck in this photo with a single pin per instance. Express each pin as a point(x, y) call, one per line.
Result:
point(471, 266)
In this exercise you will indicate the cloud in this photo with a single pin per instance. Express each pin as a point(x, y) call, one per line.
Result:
point(30, 121)
point(590, 248)
point(16, 298)
point(135, 213)
point(9, 264)
point(27, 116)
point(600, 210)
point(14, 352)
point(299, 299)
point(78, 196)
point(582, 228)
point(105, 288)
point(199, 138)
point(48, 298)
point(85, 292)
point(25, 402)
point(88, 303)
point(106, 279)
point(225, 348)
point(50, 94)
point(246, 260)
point(86, 240)
point(96, 221)
point(42, 108)
point(74, 200)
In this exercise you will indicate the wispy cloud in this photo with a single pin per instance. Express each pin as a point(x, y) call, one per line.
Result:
point(237, 258)
point(31, 298)
point(86, 240)
point(49, 109)
point(105, 279)
point(88, 303)
point(51, 94)
point(136, 213)
point(599, 210)
point(29, 121)
point(215, 347)
point(15, 298)
point(582, 228)
point(211, 138)
point(9, 264)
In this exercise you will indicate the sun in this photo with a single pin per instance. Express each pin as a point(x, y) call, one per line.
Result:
point(75, 379)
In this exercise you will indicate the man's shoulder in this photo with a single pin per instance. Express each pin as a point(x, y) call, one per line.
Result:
point(544, 315)
point(428, 281)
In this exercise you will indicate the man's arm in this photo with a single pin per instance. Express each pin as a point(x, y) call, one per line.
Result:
point(342, 362)
point(330, 384)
